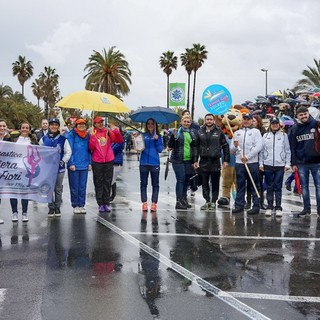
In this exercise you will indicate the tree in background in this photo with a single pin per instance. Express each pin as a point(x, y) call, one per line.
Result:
point(37, 90)
point(199, 54)
point(49, 84)
point(186, 61)
point(23, 69)
point(168, 61)
point(312, 77)
point(108, 72)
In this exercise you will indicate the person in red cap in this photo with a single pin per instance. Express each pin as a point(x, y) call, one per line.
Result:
point(100, 142)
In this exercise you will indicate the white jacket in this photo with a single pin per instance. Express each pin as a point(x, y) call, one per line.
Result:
point(250, 144)
point(275, 150)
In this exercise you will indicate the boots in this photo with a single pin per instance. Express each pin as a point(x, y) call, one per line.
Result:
point(113, 191)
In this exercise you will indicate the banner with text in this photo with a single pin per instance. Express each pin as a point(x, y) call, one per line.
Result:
point(28, 171)
point(177, 94)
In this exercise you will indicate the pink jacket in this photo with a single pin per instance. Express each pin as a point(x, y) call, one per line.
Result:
point(100, 144)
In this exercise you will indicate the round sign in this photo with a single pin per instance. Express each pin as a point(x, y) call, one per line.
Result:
point(217, 99)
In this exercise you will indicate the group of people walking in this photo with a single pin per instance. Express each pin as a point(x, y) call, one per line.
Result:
point(79, 152)
point(192, 149)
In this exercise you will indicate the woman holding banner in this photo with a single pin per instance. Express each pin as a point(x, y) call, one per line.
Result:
point(24, 136)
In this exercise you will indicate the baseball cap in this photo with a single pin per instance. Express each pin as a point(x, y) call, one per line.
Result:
point(80, 120)
point(98, 119)
point(247, 116)
point(274, 120)
point(54, 120)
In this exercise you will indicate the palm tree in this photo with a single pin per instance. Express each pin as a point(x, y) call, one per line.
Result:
point(37, 90)
point(5, 91)
point(23, 69)
point(108, 72)
point(199, 54)
point(186, 61)
point(312, 77)
point(48, 81)
point(168, 61)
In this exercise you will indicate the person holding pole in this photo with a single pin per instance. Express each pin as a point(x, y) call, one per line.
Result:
point(246, 144)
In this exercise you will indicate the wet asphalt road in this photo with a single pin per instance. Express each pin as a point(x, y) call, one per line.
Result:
point(194, 265)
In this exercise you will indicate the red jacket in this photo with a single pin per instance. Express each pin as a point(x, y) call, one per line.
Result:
point(100, 144)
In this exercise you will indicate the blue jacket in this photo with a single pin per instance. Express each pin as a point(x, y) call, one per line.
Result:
point(150, 155)
point(117, 149)
point(81, 156)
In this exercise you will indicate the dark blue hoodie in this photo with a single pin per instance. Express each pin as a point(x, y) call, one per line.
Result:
point(303, 142)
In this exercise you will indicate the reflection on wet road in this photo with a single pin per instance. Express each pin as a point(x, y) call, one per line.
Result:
point(194, 265)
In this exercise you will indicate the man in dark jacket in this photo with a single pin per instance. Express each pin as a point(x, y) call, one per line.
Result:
point(305, 155)
point(210, 140)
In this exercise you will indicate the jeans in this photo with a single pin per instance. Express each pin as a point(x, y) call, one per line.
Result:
point(183, 172)
point(57, 195)
point(78, 187)
point(304, 171)
point(274, 180)
point(243, 179)
point(14, 205)
point(144, 174)
point(214, 176)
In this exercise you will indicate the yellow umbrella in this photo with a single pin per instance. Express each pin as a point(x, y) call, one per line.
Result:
point(276, 93)
point(94, 101)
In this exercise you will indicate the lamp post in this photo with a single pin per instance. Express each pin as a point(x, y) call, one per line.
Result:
point(266, 72)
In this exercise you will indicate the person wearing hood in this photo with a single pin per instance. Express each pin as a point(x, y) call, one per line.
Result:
point(304, 141)
point(100, 143)
point(55, 140)
point(209, 143)
point(274, 160)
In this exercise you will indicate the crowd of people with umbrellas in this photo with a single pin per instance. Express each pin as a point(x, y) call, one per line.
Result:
point(192, 150)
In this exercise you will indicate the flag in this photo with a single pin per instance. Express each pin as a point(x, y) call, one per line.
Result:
point(28, 171)
point(177, 94)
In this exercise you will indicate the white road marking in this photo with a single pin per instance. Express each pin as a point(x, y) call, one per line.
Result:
point(278, 297)
point(203, 284)
point(2, 297)
point(223, 236)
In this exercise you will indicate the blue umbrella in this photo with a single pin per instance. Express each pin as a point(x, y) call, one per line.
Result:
point(159, 114)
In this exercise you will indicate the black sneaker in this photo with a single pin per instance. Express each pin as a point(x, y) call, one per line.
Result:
point(237, 210)
point(180, 205)
point(288, 186)
point(304, 212)
point(247, 205)
point(51, 212)
point(57, 212)
point(185, 202)
point(224, 201)
point(253, 211)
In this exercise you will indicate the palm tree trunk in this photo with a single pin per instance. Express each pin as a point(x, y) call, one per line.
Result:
point(188, 91)
point(168, 91)
point(193, 94)
point(22, 90)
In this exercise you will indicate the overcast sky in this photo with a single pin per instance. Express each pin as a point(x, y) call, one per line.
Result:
point(241, 37)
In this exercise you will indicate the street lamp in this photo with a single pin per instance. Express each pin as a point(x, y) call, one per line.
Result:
point(266, 71)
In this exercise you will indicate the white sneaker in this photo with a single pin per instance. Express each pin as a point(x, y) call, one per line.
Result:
point(15, 217)
point(278, 213)
point(268, 213)
point(1, 221)
point(24, 217)
point(76, 210)
point(83, 210)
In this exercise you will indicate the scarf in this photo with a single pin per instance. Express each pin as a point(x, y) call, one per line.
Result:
point(180, 131)
point(81, 133)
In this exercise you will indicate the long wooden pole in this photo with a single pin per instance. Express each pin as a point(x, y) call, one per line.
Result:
point(245, 164)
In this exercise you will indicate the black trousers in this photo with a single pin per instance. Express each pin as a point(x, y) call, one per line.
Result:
point(102, 179)
point(214, 176)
